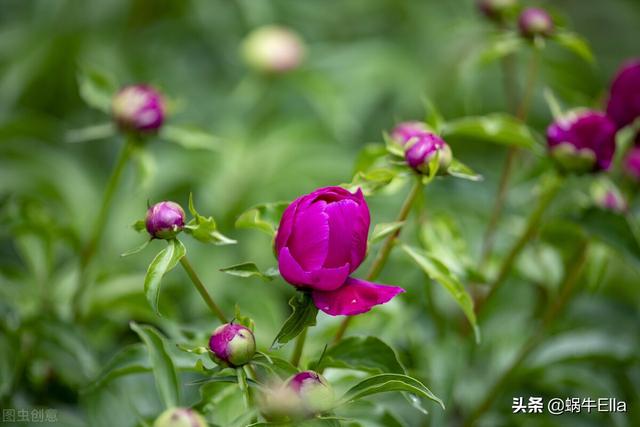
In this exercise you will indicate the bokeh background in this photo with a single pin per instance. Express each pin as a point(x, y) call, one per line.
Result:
point(370, 63)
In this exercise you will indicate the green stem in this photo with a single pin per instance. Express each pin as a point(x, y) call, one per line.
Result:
point(566, 291)
point(380, 260)
point(529, 232)
point(99, 224)
point(241, 376)
point(202, 290)
point(297, 351)
point(521, 113)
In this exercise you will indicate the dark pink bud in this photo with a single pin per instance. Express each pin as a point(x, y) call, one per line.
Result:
point(138, 108)
point(624, 97)
point(582, 141)
point(321, 240)
point(496, 10)
point(613, 201)
point(423, 149)
point(535, 22)
point(180, 417)
point(632, 163)
point(315, 393)
point(232, 344)
point(405, 131)
point(165, 220)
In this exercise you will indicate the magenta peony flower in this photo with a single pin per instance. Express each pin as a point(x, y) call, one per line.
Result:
point(180, 417)
point(273, 49)
point(535, 22)
point(138, 108)
point(165, 220)
point(583, 141)
point(423, 148)
point(232, 344)
point(632, 163)
point(405, 131)
point(321, 240)
point(624, 97)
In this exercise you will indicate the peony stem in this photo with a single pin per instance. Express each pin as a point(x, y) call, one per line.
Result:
point(566, 291)
point(530, 231)
point(521, 113)
point(297, 351)
point(89, 251)
point(202, 290)
point(380, 260)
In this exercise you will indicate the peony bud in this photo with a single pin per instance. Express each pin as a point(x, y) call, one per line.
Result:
point(273, 49)
point(180, 417)
point(624, 97)
point(165, 220)
point(582, 141)
point(423, 150)
point(496, 10)
point(535, 22)
point(613, 201)
point(138, 108)
point(315, 393)
point(632, 163)
point(405, 131)
point(232, 344)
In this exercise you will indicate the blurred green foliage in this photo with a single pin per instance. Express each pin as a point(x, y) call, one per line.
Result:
point(370, 63)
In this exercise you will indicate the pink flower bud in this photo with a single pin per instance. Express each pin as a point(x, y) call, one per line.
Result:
point(232, 344)
point(180, 417)
point(165, 220)
point(405, 131)
point(582, 141)
point(315, 393)
point(138, 108)
point(632, 163)
point(423, 149)
point(535, 22)
point(496, 10)
point(273, 49)
point(624, 97)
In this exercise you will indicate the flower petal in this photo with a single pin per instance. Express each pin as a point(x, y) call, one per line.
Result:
point(348, 229)
point(355, 297)
point(323, 279)
point(309, 240)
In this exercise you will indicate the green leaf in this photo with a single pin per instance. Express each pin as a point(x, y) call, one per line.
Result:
point(264, 217)
point(503, 45)
point(205, 229)
point(8, 362)
point(277, 365)
point(460, 170)
point(575, 43)
point(385, 383)
point(303, 315)
point(139, 226)
point(369, 156)
point(146, 166)
point(240, 318)
point(193, 349)
point(129, 360)
point(163, 368)
point(382, 230)
point(190, 138)
point(249, 269)
point(223, 379)
point(97, 89)
point(496, 128)
point(614, 230)
point(164, 262)
point(373, 180)
point(369, 354)
point(439, 272)
point(90, 133)
point(136, 250)
point(434, 118)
